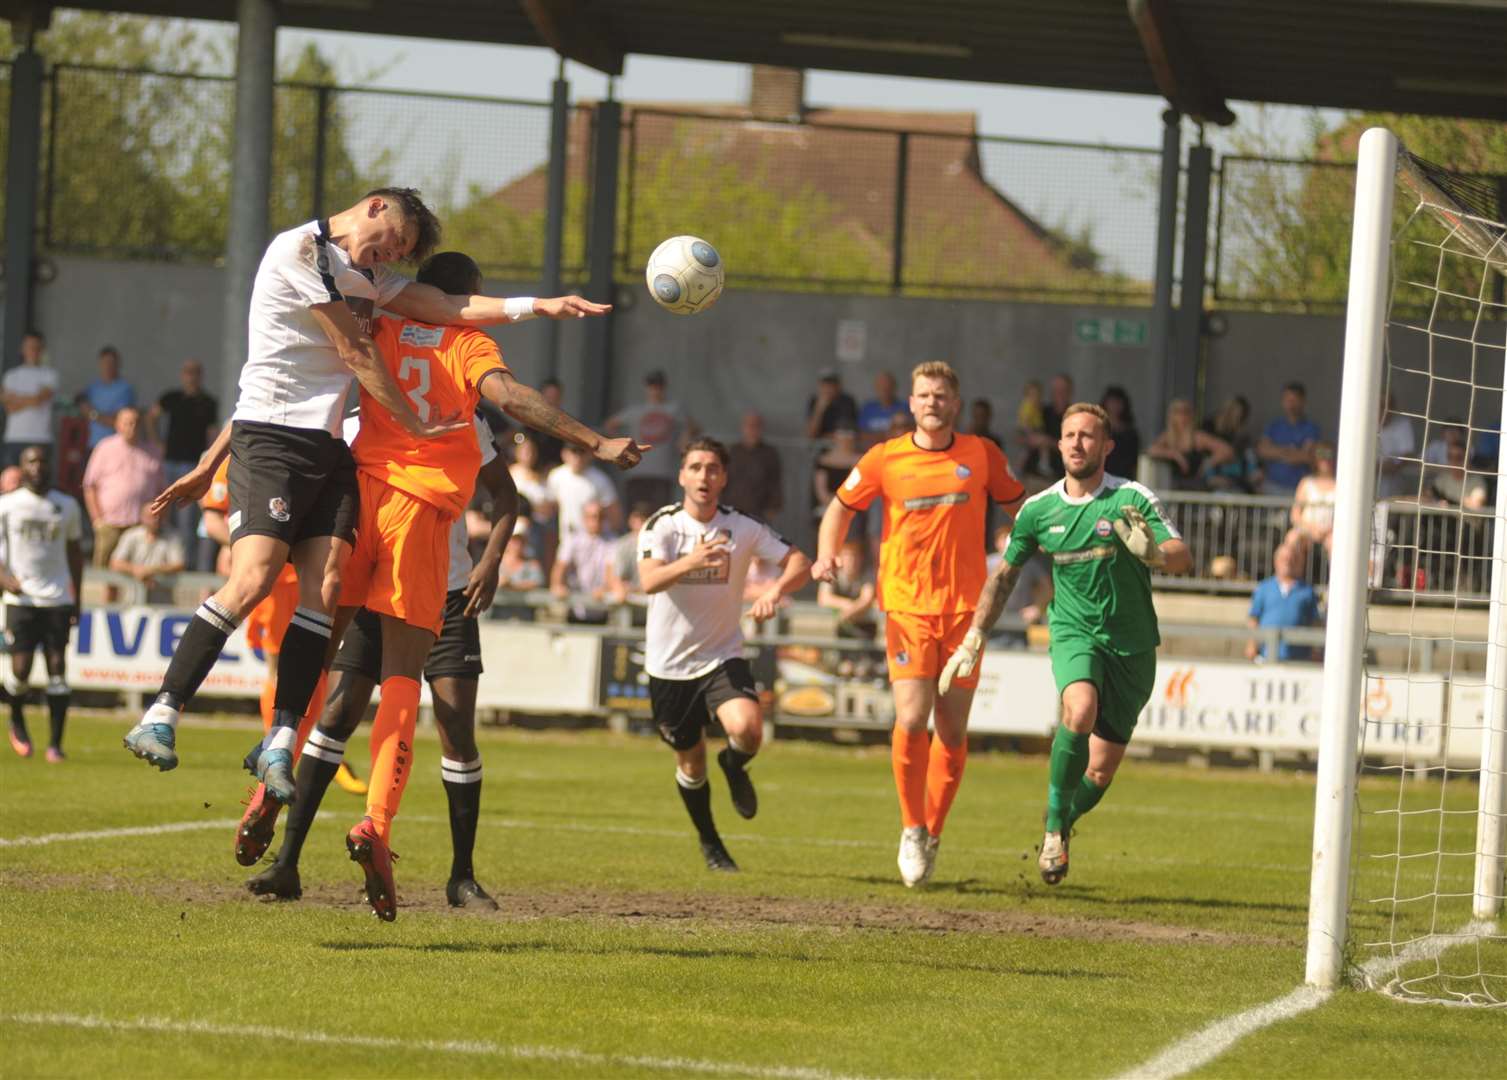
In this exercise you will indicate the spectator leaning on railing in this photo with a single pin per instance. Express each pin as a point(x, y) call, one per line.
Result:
point(519, 571)
point(124, 474)
point(27, 392)
point(1189, 451)
point(1283, 601)
point(583, 565)
point(1286, 446)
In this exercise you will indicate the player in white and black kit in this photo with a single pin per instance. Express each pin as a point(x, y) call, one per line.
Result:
point(694, 559)
point(41, 565)
point(293, 492)
point(453, 671)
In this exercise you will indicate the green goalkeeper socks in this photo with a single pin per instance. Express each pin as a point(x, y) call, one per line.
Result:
point(1069, 760)
point(1085, 799)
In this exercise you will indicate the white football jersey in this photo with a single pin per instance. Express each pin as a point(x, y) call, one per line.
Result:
point(460, 555)
point(293, 375)
point(34, 534)
point(696, 623)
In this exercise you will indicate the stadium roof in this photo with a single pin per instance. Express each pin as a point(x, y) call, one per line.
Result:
point(1442, 57)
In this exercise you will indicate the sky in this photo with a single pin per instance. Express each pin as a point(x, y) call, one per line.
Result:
point(517, 71)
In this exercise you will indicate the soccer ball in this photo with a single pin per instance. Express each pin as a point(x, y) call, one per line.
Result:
point(685, 275)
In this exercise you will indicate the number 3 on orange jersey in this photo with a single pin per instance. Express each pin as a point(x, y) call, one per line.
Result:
point(420, 366)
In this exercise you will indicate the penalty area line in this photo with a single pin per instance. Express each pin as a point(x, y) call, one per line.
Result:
point(1208, 1043)
point(471, 1047)
point(110, 834)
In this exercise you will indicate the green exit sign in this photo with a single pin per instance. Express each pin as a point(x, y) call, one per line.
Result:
point(1110, 331)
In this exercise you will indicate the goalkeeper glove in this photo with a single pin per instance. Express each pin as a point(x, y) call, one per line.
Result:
point(961, 663)
point(1135, 533)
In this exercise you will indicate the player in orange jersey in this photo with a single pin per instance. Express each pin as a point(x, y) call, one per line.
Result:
point(412, 489)
point(265, 627)
point(936, 484)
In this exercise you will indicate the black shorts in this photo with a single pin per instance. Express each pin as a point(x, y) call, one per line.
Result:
point(29, 627)
point(456, 653)
point(293, 484)
point(683, 708)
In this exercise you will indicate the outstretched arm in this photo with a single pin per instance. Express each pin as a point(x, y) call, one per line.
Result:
point(526, 405)
point(428, 304)
point(191, 486)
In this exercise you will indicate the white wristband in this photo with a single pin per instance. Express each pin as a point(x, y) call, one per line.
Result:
point(518, 308)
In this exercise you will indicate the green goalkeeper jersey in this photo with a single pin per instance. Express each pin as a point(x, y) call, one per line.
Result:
point(1100, 590)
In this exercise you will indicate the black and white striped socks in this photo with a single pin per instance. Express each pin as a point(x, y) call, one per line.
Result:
point(196, 653)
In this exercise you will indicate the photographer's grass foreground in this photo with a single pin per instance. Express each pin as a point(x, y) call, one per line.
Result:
point(131, 947)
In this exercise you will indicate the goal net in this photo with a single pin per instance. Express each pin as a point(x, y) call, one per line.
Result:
point(1411, 817)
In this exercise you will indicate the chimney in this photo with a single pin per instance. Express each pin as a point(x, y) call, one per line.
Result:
point(776, 93)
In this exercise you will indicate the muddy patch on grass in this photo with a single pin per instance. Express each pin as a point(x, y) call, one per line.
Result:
point(712, 908)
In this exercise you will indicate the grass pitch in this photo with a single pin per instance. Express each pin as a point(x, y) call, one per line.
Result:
point(616, 953)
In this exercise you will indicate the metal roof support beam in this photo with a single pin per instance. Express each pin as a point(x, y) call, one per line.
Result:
point(1183, 371)
point(554, 214)
point(568, 28)
point(1175, 63)
point(22, 181)
point(1166, 253)
point(250, 179)
point(595, 389)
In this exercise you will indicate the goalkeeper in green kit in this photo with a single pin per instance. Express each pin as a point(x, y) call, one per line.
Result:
point(1105, 534)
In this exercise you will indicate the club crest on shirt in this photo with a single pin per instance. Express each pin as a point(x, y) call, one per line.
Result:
point(1103, 527)
point(902, 658)
point(964, 472)
point(277, 506)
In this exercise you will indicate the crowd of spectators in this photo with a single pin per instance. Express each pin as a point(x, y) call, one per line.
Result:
point(574, 538)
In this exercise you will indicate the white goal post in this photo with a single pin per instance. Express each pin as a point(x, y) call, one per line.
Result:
point(1354, 569)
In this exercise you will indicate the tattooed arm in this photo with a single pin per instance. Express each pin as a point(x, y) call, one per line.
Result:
point(996, 593)
point(527, 406)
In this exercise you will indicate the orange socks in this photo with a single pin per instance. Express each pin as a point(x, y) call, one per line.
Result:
point(269, 695)
point(943, 776)
point(908, 758)
point(310, 718)
point(392, 750)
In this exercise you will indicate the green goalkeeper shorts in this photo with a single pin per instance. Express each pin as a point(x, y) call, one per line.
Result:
point(1124, 682)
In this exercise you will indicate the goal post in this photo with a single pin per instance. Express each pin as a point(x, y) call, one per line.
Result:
point(1345, 634)
point(1409, 864)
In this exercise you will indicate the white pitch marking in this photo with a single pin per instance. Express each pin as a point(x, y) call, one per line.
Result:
point(1208, 1043)
point(472, 1047)
point(110, 834)
point(566, 826)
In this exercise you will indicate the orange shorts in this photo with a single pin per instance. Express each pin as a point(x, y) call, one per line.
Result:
point(917, 646)
point(268, 621)
point(401, 562)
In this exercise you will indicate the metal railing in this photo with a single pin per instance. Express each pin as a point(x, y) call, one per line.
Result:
point(1435, 554)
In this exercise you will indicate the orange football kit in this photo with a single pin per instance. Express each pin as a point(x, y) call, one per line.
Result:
point(931, 571)
point(412, 490)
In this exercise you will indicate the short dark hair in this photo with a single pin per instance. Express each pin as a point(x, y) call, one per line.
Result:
point(451, 272)
point(551, 381)
point(109, 350)
point(34, 332)
point(1296, 388)
point(705, 442)
point(406, 201)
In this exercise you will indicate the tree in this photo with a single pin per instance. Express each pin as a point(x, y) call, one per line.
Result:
point(140, 162)
point(1287, 223)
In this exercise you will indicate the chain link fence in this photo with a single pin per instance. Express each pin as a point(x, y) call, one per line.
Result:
point(832, 206)
point(137, 164)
